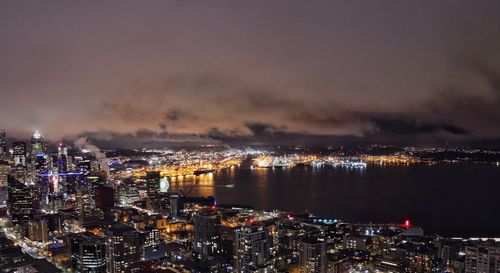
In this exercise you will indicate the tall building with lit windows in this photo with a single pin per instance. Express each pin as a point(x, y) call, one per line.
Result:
point(153, 190)
point(22, 201)
point(3, 145)
point(37, 144)
point(206, 241)
point(61, 162)
point(4, 172)
point(312, 255)
point(123, 249)
point(19, 153)
point(482, 257)
point(252, 250)
point(39, 158)
point(88, 253)
point(38, 230)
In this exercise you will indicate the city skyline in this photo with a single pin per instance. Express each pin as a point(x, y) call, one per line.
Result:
point(257, 136)
point(249, 73)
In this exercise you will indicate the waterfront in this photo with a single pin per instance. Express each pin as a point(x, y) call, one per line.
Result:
point(448, 199)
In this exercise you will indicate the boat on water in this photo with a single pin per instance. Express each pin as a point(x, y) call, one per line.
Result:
point(203, 171)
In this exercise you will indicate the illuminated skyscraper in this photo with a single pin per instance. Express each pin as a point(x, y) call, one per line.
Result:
point(252, 247)
point(206, 242)
point(153, 189)
point(4, 172)
point(61, 162)
point(37, 144)
point(19, 153)
point(312, 255)
point(3, 145)
point(482, 258)
point(88, 253)
point(152, 237)
point(39, 159)
point(22, 201)
point(123, 249)
point(38, 230)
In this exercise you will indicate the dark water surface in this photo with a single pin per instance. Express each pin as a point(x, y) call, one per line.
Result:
point(451, 200)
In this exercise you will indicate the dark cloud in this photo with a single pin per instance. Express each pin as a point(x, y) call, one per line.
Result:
point(314, 72)
point(142, 139)
point(258, 129)
point(174, 115)
point(412, 127)
point(474, 108)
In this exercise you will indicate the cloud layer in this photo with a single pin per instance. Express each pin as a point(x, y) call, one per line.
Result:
point(254, 72)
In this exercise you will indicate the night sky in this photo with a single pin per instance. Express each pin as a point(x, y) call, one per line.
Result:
point(129, 72)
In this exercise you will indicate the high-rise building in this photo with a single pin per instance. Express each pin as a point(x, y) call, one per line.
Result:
point(171, 203)
point(19, 153)
point(252, 250)
point(482, 258)
point(84, 166)
point(152, 237)
point(128, 193)
point(61, 160)
point(3, 145)
point(22, 201)
point(153, 189)
point(123, 249)
point(37, 144)
point(4, 172)
point(206, 241)
point(39, 158)
point(312, 255)
point(88, 253)
point(85, 202)
point(38, 230)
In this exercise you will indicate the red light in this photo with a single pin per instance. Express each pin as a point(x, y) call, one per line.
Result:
point(214, 207)
point(407, 223)
point(251, 220)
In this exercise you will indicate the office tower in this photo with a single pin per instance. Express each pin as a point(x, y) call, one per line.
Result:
point(152, 237)
point(38, 230)
point(85, 202)
point(84, 166)
point(88, 253)
point(19, 153)
point(129, 193)
point(22, 201)
point(176, 204)
point(123, 249)
point(482, 257)
point(3, 145)
point(4, 172)
point(84, 186)
point(71, 185)
point(91, 182)
point(55, 222)
point(312, 255)
point(62, 150)
point(61, 158)
point(206, 234)
point(153, 189)
point(37, 144)
point(252, 250)
point(164, 202)
point(338, 263)
point(40, 162)
point(171, 203)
